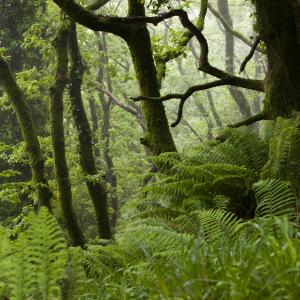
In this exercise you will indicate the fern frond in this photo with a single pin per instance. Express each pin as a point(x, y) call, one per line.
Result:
point(247, 141)
point(148, 240)
point(74, 285)
point(39, 260)
point(274, 197)
point(213, 223)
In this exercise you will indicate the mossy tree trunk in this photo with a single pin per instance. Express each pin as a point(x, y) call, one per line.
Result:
point(96, 188)
point(278, 25)
point(29, 134)
point(56, 110)
point(158, 138)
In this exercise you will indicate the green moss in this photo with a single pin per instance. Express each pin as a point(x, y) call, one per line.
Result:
point(29, 134)
point(158, 138)
point(277, 28)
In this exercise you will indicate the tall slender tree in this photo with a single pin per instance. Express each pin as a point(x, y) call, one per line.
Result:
point(104, 76)
point(56, 110)
point(96, 187)
point(237, 95)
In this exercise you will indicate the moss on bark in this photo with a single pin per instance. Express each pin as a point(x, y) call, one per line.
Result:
point(29, 134)
point(97, 189)
point(158, 137)
point(56, 110)
point(277, 27)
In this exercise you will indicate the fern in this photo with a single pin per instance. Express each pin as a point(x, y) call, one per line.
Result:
point(148, 240)
point(38, 265)
point(5, 251)
point(284, 162)
point(212, 223)
point(274, 197)
point(39, 260)
point(74, 285)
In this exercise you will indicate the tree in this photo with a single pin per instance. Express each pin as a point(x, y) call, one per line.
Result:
point(158, 138)
point(237, 95)
point(96, 188)
point(56, 110)
point(278, 26)
point(29, 134)
point(106, 104)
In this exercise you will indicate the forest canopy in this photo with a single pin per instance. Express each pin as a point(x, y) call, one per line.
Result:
point(149, 149)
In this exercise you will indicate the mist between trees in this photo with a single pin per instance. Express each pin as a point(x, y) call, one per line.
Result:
point(149, 149)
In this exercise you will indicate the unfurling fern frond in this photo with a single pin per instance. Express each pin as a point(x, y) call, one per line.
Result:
point(274, 197)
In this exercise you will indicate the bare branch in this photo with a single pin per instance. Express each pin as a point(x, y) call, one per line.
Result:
point(250, 55)
point(187, 94)
point(204, 65)
point(258, 117)
point(183, 97)
point(192, 129)
point(125, 107)
point(119, 26)
point(92, 21)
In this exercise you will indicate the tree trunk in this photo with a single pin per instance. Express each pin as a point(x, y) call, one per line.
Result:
point(95, 187)
point(95, 126)
point(204, 113)
point(236, 94)
point(256, 106)
point(29, 134)
point(158, 138)
point(56, 108)
point(111, 178)
point(278, 27)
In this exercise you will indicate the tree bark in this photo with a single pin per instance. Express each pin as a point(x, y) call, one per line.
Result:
point(95, 125)
point(29, 134)
point(103, 75)
point(56, 108)
point(96, 188)
point(158, 138)
point(278, 28)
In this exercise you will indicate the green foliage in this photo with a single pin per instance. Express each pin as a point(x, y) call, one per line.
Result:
point(36, 265)
point(213, 175)
point(216, 223)
point(274, 197)
point(182, 240)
